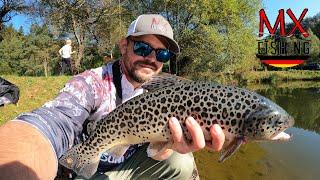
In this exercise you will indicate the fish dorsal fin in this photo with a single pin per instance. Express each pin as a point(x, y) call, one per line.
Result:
point(163, 80)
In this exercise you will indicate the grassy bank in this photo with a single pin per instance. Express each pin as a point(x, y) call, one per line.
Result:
point(34, 92)
point(250, 77)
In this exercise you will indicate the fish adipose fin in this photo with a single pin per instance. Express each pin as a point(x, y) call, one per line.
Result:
point(231, 149)
point(118, 151)
point(163, 80)
point(83, 165)
point(156, 147)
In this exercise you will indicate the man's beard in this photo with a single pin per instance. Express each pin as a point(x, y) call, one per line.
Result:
point(140, 78)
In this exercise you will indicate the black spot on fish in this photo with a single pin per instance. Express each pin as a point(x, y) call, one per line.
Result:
point(196, 99)
point(122, 125)
point(237, 107)
point(176, 98)
point(223, 101)
point(229, 104)
point(142, 122)
point(190, 93)
point(189, 103)
point(184, 97)
point(130, 125)
point(233, 122)
point(247, 102)
point(197, 109)
point(138, 110)
point(187, 88)
point(164, 110)
point(128, 110)
point(163, 100)
point(168, 91)
point(224, 113)
point(214, 109)
point(135, 119)
point(208, 122)
point(204, 114)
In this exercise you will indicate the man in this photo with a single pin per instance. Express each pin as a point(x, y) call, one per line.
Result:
point(31, 145)
point(65, 53)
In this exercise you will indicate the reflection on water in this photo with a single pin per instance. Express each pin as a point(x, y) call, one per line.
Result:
point(296, 159)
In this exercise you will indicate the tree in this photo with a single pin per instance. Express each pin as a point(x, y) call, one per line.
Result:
point(11, 51)
point(84, 19)
point(42, 52)
point(214, 35)
point(8, 9)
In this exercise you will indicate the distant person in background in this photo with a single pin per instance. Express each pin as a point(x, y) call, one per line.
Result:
point(65, 53)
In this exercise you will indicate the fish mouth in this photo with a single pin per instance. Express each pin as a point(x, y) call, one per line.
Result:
point(282, 136)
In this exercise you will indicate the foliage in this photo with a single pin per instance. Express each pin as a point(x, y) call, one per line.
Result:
point(8, 9)
point(34, 54)
point(214, 35)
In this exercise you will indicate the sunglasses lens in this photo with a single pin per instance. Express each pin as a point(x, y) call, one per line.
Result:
point(141, 49)
point(164, 55)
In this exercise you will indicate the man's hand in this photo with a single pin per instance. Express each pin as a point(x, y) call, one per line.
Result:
point(198, 141)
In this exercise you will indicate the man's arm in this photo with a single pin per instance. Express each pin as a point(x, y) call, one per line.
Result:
point(25, 153)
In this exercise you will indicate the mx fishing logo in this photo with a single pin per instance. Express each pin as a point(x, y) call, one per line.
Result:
point(287, 46)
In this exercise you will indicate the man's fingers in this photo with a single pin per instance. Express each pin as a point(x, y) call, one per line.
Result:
point(217, 136)
point(176, 130)
point(196, 133)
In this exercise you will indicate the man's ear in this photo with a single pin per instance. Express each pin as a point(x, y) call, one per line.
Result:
point(123, 44)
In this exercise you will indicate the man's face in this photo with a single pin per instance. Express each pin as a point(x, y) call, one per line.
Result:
point(137, 68)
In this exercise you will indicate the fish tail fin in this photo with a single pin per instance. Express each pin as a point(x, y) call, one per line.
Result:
point(82, 164)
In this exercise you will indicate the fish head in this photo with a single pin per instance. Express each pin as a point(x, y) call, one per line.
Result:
point(267, 121)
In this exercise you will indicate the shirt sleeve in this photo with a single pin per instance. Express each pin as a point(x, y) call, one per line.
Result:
point(61, 119)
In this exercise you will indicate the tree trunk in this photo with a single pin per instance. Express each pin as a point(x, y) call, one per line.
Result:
point(45, 65)
point(79, 33)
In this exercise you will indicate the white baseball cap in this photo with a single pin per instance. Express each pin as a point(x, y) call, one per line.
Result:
point(153, 24)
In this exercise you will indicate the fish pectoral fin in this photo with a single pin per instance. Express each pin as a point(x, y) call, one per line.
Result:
point(157, 147)
point(118, 151)
point(231, 149)
point(84, 165)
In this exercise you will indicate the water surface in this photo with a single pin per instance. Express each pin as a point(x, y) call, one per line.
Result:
point(296, 159)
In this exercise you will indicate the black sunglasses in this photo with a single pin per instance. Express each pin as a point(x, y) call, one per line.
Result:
point(143, 49)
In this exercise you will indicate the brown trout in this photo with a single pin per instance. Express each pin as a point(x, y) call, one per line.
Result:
point(242, 114)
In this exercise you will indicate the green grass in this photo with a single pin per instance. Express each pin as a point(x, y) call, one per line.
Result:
point(34, 92)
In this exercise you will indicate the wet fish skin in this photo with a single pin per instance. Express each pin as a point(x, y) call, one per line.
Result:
point(243, 115)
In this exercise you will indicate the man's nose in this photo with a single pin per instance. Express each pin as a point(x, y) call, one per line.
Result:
point(152, 56)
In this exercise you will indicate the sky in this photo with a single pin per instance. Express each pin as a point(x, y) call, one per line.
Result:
point(271, 8)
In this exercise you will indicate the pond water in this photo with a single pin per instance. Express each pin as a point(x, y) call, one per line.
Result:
point(295, 159)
